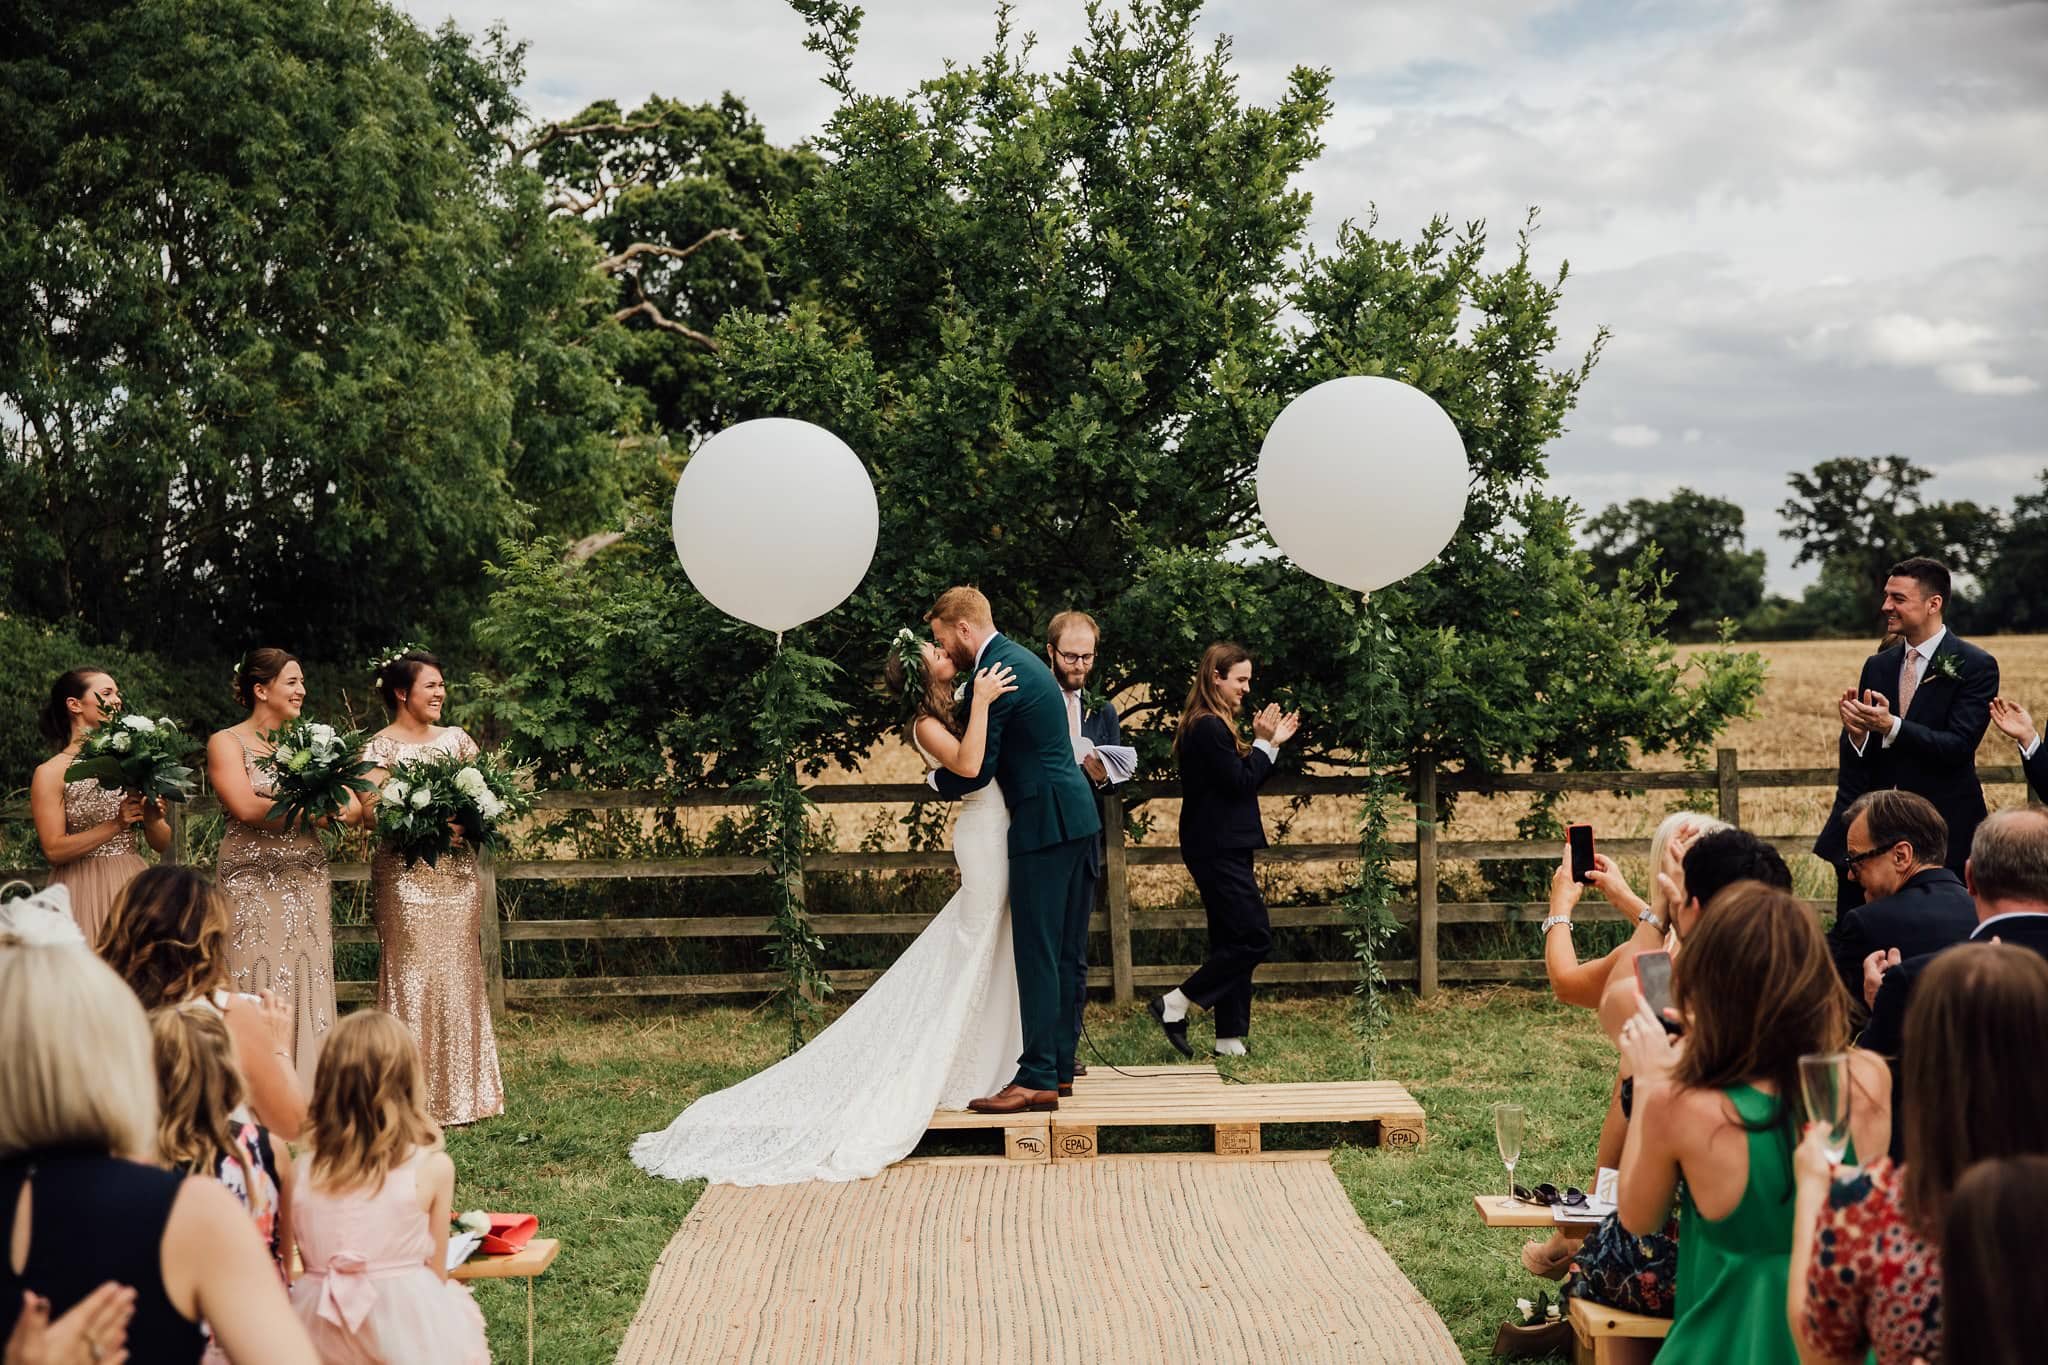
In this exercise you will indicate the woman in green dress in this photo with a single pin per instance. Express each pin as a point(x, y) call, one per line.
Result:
point(1718, 1109)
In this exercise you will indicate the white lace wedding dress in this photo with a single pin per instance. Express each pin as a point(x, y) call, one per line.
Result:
point(938, 1029)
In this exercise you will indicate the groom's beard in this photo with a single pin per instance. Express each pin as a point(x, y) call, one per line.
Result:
point(961, 655)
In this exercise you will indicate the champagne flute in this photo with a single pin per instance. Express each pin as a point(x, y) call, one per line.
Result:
point(1508, 1121)
point(1824, 1084)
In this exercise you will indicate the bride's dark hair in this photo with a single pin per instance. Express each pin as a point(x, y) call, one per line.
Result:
point(928, 696)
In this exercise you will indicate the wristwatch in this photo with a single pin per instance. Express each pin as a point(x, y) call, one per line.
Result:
point(1553, 921)
point(1649, 916)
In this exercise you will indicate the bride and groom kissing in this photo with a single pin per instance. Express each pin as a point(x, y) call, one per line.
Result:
point(980, 1009)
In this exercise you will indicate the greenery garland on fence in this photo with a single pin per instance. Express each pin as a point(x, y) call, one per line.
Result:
point(793, 703)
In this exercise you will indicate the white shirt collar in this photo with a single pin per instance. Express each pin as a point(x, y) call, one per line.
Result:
point(1984, 931)
point(1927, 647)
point(993, 637)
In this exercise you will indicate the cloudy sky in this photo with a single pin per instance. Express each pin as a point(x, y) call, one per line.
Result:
point(1815, 227)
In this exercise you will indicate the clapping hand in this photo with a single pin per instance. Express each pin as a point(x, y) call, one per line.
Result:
point(997, 680)
point(277, 1020)
point(94, 1332)
point(2012, 718)
point(1874, 968)
point(1872, 715)
point(1852, 714)
point(1274, 725)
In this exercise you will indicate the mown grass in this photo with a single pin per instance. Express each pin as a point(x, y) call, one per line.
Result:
point(583, 1082)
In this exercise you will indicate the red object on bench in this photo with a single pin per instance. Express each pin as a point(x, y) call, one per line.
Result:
point(509, 1232)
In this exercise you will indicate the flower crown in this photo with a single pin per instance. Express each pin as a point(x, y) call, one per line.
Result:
point(910, 650)
point(392, 656)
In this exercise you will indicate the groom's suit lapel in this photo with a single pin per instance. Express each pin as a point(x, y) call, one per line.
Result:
point(1931, 679)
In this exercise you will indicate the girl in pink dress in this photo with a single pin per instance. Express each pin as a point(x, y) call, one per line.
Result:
point(371, 1210)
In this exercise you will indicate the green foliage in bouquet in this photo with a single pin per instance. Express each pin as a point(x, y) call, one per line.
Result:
point(314, 769)
point(137, 753)
point(427, 800)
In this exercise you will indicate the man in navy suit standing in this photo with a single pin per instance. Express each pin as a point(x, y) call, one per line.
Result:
point(1915, 717)
point(1071, 642)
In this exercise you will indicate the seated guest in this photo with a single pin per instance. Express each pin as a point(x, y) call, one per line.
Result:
point(1898, 853)
point(1866, 1270)
point(80, 1202)
point(1615, 1266)
point(376, 1187)
point(1580, 983)
point(2008, 875)
point(1991, 1251)
point(2018, 726)
point(168, 940)
point(204, 1128)
point(1715, 1117)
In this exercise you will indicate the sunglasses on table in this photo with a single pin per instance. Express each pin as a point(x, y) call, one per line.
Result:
point(1547, 1195)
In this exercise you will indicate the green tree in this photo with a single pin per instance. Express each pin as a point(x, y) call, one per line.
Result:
point(1052, 311)
point(2010, 597)
point(1698, 544)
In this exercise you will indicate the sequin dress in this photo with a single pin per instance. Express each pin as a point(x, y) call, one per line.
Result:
point(430, 971)
point(281, 938)
point(96, 878)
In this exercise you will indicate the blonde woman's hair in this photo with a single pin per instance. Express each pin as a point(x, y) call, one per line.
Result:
point(76, 1069)
point(367, 1116)
point(1671, 827)
point(198, 1089)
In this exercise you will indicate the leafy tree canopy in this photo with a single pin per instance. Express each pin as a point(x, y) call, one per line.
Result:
point(1056, 310)
point(1698, 542)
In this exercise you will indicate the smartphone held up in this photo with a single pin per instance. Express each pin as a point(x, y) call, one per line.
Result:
point(1580, 841)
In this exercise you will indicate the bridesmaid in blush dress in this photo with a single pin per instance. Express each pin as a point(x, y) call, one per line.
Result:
point(281, 938)
point(88, 831)
point(430, 970)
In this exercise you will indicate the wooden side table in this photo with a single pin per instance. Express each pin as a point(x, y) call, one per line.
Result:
point(524, 1264)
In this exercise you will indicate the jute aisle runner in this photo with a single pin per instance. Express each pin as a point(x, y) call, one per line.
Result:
point(1121, 1261)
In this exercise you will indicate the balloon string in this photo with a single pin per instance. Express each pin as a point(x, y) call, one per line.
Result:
point(778, 642)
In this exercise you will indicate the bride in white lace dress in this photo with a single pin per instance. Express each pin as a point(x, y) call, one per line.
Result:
point(938, 1029)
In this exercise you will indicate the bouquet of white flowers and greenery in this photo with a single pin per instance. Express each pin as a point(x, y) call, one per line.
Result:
point(314, 769)
point(426, 800)
point(137, 753)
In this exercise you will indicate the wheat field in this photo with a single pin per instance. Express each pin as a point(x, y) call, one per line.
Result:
point(1795, 726)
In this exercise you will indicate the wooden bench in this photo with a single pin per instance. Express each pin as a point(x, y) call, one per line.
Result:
point(524, 1264)
point(1499, 1211)
point(1610, 1336)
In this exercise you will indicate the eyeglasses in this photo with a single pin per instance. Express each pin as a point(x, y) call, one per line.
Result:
point(1074, 660)
point(1850, 862)
point(1547, 1195)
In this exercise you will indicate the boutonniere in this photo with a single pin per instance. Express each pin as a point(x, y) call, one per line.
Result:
point(1945, 666)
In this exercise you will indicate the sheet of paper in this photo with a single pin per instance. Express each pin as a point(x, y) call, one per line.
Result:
point(461, 1245)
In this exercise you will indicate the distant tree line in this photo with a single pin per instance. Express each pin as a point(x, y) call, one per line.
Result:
point(1855, 518)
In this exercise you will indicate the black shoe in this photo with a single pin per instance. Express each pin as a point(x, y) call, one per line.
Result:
point(1080, 1070)
point(1177, 1034)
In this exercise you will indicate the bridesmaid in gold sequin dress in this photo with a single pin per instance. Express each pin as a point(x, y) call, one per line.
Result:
point(430, 972)
point(88, 831)
point(281, 938)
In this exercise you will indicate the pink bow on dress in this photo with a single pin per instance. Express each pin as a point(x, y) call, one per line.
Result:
point(347, 1294)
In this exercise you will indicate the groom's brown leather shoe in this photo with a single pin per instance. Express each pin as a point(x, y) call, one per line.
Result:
point(1015, 1099)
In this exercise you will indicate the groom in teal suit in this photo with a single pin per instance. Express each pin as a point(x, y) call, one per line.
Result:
point(1053, 824)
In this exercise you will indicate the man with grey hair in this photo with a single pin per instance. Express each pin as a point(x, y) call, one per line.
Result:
point(2008, 875)
point(1897, 852)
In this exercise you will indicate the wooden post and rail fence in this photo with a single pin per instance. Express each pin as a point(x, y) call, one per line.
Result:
point(1116, 919)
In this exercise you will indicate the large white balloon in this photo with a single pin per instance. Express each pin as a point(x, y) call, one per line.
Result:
point(775, 521)
point(1362, 481)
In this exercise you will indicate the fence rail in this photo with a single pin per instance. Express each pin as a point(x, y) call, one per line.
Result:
point(1117, 919)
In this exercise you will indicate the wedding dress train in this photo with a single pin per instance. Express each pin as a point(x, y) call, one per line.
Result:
point(939, 1028)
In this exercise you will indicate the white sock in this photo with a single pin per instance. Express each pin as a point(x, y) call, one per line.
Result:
point(1230, 1047)
point(1174, 1006)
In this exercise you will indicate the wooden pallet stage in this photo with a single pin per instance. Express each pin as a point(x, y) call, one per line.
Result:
point(1192, 1096)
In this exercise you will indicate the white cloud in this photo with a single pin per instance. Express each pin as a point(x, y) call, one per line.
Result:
point(1903, 339)
point(1975, 376)
point(1635, 436)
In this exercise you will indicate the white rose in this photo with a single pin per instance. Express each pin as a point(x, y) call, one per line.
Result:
point(141, 723)
point(395, 792)
point(122, 744)
point(422, 796)
point(489, 806)
point(322, 734)
point(471, 783)
point(283, 753)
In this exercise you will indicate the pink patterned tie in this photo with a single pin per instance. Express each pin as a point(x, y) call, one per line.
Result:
point(1909, 679)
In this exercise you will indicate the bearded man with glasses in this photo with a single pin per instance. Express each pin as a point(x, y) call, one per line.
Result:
point(1072, 640)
